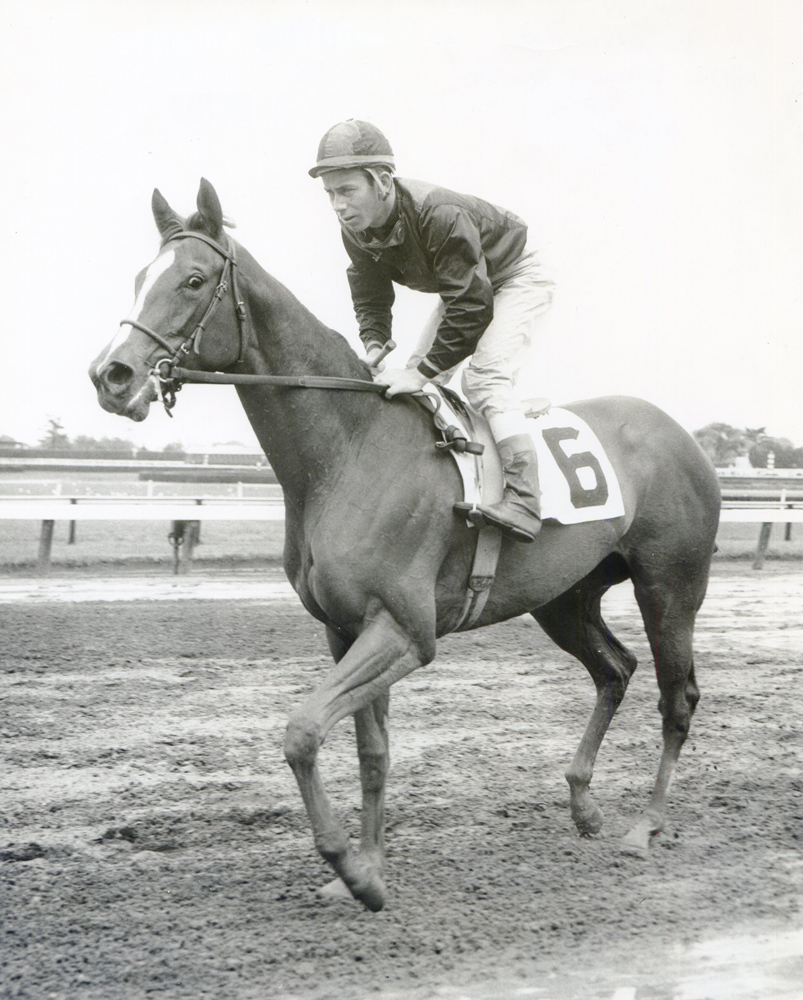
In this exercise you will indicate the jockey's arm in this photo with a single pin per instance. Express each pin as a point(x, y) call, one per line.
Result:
point(460, 268)
point(372, 296)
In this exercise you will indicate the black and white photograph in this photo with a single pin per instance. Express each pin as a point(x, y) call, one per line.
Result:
point(401, 500)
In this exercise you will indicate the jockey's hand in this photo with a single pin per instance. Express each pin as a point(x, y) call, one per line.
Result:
point(401, 380)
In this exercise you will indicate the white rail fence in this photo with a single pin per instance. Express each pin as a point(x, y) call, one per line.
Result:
point(185, 513)
point(764, 507)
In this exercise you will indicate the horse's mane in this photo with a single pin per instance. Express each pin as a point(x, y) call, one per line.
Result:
point(354, 366)
point(195, 223)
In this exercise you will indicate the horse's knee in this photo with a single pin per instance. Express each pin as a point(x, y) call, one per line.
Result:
point(302, 741)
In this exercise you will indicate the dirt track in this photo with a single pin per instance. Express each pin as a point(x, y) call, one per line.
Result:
point(154, 844)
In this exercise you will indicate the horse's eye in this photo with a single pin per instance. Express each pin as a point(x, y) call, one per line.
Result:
point(195, 281)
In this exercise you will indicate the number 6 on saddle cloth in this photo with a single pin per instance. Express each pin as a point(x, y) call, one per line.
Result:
point(578, 482)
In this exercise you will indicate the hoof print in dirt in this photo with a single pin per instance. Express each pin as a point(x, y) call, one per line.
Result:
point(22, 852)
point(126, 833)
point(263, 818)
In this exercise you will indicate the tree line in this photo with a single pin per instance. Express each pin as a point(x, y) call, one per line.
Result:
point(725, 444)
point(55, 439)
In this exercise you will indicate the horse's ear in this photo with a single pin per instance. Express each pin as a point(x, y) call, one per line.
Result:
point(210, 210)
point(167, 221)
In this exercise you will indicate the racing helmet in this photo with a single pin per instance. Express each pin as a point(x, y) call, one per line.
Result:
point(353, 143)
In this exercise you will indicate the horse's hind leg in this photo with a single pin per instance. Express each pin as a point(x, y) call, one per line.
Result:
point(574, 622)
point(669, 607)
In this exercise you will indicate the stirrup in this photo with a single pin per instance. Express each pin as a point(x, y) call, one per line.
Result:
point(480, 519)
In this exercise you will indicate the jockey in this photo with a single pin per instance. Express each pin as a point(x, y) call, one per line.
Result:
point(491, 287)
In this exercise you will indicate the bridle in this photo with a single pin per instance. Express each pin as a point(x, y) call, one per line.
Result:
point(170, 378)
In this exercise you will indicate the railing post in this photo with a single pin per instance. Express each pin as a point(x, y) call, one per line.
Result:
point(45, 547)
point(197, 530)
point(71, 537)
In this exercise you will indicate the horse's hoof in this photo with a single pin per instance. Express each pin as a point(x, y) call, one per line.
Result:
point(589, 823)
point(372, 895)
point(336, 889)
point(641, 851)
point(637, 841)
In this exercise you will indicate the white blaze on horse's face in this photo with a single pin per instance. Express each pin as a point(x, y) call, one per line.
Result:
point(154, 271)
point(152, 274)
point(122, 387)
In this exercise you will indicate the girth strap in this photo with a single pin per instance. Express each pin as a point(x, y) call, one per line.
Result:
point(483, 574)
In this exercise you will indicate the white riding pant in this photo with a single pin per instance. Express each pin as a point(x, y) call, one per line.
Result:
point(491, 373)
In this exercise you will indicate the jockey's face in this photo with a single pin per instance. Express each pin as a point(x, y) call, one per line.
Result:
point(360, 202)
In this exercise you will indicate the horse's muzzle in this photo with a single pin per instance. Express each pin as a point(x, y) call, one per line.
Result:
point(115, 383)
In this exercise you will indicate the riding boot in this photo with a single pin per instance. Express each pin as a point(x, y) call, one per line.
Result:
point(518, 513)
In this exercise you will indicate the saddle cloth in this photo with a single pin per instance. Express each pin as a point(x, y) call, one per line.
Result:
point(578, 482)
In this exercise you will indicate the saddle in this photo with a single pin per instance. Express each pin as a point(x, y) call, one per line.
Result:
point(577, 479)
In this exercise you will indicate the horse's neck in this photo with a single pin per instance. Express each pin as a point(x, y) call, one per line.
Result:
point(305, 433)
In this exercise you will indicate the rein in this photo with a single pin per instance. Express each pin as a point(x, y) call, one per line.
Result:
point(173, 376)
point(290, 381)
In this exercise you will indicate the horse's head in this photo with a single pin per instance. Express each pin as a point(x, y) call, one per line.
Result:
point(175, 317)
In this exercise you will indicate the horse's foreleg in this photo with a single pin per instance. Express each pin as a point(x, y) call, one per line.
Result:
point(372, 748)
point(574, 622)
point(358, 686)
point(370, 724)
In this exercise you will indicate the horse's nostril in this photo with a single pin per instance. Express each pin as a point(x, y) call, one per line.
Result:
point(117, 374)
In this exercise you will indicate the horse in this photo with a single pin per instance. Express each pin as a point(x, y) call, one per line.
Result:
point(373, 547)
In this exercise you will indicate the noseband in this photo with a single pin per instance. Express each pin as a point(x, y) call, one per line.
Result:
point(169, 385)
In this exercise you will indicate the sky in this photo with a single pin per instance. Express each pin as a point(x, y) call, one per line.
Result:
point(654, 147)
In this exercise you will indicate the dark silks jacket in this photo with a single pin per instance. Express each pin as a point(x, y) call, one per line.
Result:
point(459, 246)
